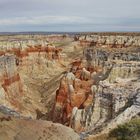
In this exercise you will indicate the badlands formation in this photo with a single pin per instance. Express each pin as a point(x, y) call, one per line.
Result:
point(67, 87)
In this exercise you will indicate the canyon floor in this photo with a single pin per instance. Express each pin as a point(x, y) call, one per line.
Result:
point(68, 87)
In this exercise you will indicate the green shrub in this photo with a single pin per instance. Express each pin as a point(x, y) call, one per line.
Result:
point(127, 131)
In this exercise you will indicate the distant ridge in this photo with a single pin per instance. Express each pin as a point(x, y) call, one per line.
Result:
point(71, 33)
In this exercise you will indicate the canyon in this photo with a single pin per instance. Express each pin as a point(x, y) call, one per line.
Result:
point(70, 86)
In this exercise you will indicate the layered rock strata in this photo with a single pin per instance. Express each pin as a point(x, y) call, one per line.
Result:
point(108, 76)
point(97, 91)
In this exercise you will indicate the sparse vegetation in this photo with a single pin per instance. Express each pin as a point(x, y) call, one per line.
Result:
point(127, 131)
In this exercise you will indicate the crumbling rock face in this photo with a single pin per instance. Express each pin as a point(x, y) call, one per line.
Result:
point(19, 62)
point(125, 63)
point(131, 110)
point(75, 96)
point(90, 93)
point(11, 85)
point(101, 55)
point(112, 41)
point(111, 79)
point(72, 93)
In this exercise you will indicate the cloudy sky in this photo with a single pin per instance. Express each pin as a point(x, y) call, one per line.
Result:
point(69, 15)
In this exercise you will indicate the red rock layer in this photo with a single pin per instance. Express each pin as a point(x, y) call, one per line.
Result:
point(66, 100)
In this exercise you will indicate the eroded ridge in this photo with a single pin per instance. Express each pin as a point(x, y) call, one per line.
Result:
point(88, 82)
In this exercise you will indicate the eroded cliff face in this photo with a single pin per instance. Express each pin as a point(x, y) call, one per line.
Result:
point(11, 86)
point(30, 71)
point(87, 82)
point(99, 87)
point(113, 41)
point(23, 66)
point(73, 91)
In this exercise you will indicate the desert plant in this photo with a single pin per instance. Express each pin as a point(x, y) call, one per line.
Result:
point(127, 131)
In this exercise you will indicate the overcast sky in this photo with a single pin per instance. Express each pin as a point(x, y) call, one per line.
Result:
point(69, 15)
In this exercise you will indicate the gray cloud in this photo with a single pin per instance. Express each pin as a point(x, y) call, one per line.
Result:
point(69, 15)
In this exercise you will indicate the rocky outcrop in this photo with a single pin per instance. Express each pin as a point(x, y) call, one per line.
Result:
point(73, 91)
point(129, 111)
point(11, 86)
point(112, 41)
point(19, 60)
point(109, 78)
point(21, 129)
point(76, 95)
point(101, 55)
point(90, 87)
